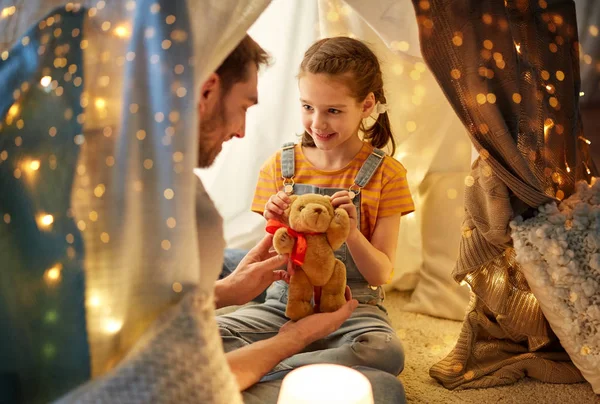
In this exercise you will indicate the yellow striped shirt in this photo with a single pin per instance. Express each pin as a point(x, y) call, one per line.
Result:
point(386, 194)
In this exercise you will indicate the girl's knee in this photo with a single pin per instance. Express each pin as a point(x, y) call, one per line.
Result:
point(381, 350)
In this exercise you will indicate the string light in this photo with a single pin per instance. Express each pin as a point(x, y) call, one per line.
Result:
point(518, 48)
point(94, 301)
point(45, 81)
point(34, 165)
point(585, 140)
point(587, 169)
point(100, 103)
point(8, 11)
point(112, 326)
point(53, 275)
point(548, 124)
point(45, 220)
point(121, 31)
point(13, 112)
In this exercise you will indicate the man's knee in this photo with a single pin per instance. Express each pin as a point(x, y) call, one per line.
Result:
point(231, 339)
point(380, 350)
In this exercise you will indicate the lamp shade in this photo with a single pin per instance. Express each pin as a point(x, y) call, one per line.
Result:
point(325, 383)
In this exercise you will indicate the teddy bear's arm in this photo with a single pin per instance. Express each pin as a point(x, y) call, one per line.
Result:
point(338, 229)
point(282, 241)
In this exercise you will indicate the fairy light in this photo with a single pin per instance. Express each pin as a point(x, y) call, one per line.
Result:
point(53, 274)
point(8, 11)
point(46, 81)
point(518, 48)
point(548, 124)
point(587, 169)
point(100, 103)
point(45, 220)
point(121, 31)
point(94, 301)
point(34, 165)
point(588, 141)
point(13, 112)
point(112, 326)
point(581, 93)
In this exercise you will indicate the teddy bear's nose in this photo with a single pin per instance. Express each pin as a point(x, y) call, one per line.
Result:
point(318, 210)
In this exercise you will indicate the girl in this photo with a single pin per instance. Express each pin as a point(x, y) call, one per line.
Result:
point(340, 85)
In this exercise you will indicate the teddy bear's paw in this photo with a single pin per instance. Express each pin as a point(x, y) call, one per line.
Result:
point(341, 216)
point(283, 242)
point(298, 310)
point(331, 303)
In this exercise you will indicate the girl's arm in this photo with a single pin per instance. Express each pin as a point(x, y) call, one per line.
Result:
point(374, 258)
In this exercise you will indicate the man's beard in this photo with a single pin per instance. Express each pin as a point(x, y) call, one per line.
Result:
point(211, 136)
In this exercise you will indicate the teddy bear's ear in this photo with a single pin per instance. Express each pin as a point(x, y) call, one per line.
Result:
point(286, 213)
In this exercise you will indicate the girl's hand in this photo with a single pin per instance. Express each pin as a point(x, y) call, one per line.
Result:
point(276, 205)
point(341, 199)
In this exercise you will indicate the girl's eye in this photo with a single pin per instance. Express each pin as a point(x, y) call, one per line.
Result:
point(334, 111)
point(307, 107)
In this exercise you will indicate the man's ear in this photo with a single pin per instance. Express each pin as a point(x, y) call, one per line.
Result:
point(210, 91)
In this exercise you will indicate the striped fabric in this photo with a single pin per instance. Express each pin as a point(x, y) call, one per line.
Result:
point(386, 194)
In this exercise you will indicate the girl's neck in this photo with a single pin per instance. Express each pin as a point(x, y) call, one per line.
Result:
point(335, 159)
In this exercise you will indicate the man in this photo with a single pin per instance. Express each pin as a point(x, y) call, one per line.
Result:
point(225, 97)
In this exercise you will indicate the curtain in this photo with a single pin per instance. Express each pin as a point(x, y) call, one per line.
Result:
point(98, 145)
point(511, 72)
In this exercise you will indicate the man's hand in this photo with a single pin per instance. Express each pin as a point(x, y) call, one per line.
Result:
point(256, 272)
point(316, 326)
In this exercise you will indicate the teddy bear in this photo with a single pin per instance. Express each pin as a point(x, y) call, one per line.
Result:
point(314, 230)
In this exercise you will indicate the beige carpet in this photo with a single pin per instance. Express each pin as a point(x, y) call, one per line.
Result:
point(428, 339)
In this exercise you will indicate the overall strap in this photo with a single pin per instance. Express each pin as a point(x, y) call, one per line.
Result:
point(367, 170)
point(288, 166)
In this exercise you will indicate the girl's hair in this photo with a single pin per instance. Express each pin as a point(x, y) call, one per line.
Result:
point(357, 66)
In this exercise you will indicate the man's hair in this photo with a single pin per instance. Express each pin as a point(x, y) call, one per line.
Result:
point(234, 69)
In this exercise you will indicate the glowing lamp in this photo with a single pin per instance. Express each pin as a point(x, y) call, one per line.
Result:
point(325, 384)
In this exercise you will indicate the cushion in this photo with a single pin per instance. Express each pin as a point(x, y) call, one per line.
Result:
point(437, 293)
point(559, 250)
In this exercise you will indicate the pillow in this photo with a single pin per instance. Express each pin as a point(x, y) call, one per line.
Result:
point(559, 250)
point(442, 210)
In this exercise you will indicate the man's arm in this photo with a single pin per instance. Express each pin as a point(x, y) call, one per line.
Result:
point(251, 362)
point(256, 272)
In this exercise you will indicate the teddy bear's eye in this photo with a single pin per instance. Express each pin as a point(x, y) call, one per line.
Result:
point(300, 208)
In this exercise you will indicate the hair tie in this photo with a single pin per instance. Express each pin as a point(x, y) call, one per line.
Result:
point(381, 108)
